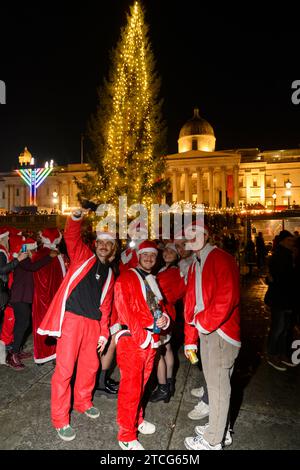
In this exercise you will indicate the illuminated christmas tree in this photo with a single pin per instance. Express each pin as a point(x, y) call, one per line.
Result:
point(127, 133)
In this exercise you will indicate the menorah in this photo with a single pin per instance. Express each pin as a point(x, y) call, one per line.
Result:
point(34, 177)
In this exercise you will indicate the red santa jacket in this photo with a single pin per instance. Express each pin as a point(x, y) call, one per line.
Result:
point(172, 286)
point(81, 261)
point(129, 259)
point(133, 310)
point(213, 297)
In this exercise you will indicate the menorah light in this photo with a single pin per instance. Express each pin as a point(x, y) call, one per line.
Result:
point(34, 177)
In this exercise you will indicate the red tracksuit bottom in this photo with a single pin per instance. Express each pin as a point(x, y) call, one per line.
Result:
point(7, 333)
point(135, 366)
point(78, 342)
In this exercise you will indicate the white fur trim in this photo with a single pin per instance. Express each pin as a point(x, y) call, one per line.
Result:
point(63, 305)
point(45, 359)
point(155, 344)
point(31, 246)
point(143, 287)
point(62, 265)
point(77, 218)
point(201, 329)
point(5, 234)
point(147, 250)
point(165, 339)
point(191, 346)
point(118, 335)
point(126, 258)
point(106, 286)
point(228, 339)
point(168, 321)
point(105, 236)
point(147, 341)
point(154, 286)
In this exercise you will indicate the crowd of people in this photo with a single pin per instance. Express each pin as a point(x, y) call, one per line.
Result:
point(91, 302)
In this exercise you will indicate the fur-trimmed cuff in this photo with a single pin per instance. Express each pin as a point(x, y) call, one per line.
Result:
point(190, 346)
point(147, 341)
point(168, 321)
point(155, 344)
point(77, 215)
point(104, 339)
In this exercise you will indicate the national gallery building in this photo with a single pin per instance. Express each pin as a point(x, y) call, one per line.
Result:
point(198, 173)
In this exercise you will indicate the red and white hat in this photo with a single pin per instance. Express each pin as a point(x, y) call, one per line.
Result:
point(30, 243)
point(102, 235)
point(4, 232)
point(171, 246)
point(15, 244)
point(50, 237)
point(147, 246)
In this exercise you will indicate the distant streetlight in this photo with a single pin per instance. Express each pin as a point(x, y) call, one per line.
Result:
point(274, 196)
point(288, 192)
point(54, 199)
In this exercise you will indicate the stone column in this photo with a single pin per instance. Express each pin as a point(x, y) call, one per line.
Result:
point(211, 187)
point(199, 186)
point(223, 186)
point(262, 188)
point(24, 197)
point(236, 185)
point(174, 186)
point(186, 185)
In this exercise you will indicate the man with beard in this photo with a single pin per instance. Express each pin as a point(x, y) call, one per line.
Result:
point(79, 317)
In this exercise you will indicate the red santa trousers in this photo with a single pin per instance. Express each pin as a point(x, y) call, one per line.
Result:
point(7, 332)
point(135, 366)
point(78, 342)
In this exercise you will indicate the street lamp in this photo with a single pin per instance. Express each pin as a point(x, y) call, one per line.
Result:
point(288, 192)
point(274, 196)
point(55, 199)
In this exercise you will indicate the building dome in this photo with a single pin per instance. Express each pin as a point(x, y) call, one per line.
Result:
point(196, 134)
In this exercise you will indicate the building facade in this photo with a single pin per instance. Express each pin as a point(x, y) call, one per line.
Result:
point(235, 178)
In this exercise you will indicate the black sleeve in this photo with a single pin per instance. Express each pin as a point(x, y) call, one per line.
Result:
point(27, 264)
point(6, 268)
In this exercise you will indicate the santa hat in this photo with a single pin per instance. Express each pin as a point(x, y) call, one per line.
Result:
point(4, 232)
point(14, 231)
point(147, 246)
point(138, 230)
point(30, 243)
point(101, 235)
point(197, 227)
point(171, 246)
point(50, 237)
point(15, 244)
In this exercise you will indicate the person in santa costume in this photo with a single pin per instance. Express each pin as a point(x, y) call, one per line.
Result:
point(79, 317)
point(138, 233)
point(173, 288)
point(136, 294)
point(8, 262)
point(47, 281)
point(212, 313)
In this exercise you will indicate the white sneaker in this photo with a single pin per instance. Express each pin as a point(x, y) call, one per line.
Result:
point(197, 392)
point(2, 353)
point(131, 445)
point(146, 428)
point(200, 411)
point(198, 443)
point(199, 430)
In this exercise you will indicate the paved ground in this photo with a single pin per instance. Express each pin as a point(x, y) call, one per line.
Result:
point(265, 403)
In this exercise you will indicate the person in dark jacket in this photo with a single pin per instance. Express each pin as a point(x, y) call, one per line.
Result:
point(21, 301)
point(282, 298)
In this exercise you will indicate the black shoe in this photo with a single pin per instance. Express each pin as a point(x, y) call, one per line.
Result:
point(171, 384)
point(111, 383)
point(107, 391)
point(162, 393)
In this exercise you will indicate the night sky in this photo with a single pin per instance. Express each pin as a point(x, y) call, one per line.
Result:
point(238, 69)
